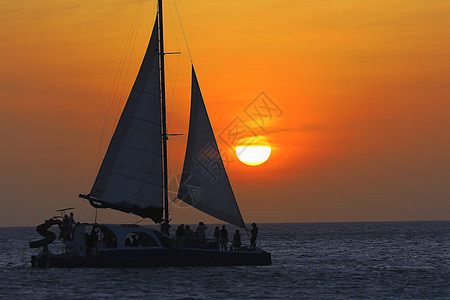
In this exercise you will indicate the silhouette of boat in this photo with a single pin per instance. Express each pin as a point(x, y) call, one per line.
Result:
point(133, 178)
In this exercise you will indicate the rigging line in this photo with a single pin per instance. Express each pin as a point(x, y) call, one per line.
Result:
point(173, 25)
point(182, 30)
point(131, 50)
point(173, 98)
point(173, 102)
point(172, 86)
point(80, 210)
point(118, 78)
point(111, 97)
point(122, 63)
point(177, 164)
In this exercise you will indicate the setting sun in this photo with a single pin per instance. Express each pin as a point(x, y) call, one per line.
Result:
point(253, 151)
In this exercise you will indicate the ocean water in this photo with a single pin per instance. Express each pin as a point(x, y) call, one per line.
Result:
point(383, 260)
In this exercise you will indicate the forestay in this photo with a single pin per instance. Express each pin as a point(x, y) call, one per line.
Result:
point(204, 182)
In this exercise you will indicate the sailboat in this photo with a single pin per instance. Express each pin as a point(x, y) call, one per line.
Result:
point(133, 178)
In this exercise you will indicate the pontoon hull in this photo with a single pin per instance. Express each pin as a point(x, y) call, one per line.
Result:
point(158, 257)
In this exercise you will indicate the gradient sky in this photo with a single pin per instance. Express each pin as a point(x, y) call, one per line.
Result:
point(362, 88)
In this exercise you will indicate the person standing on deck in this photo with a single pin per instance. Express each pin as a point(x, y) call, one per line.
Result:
point(254, 233)
point(179, 236)
point(188, 233)
point(201, 231)
point(217, 234)
point(223, 237)
point(237, 241)
point(64, 229)
point(70, 225)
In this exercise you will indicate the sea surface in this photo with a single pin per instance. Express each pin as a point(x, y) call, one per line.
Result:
point(382, 260)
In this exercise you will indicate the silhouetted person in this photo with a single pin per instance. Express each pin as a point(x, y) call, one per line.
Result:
point(188, 233)
point(180, 230)
point(64, 228)
point(217, 234)
point(165, 228)
point(179, 233)
point(254, 233)
point(201, 231)
point(70, 225)
point(237, 240)
point(224, 237)
point(91, 242)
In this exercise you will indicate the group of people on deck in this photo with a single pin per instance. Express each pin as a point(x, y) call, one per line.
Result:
point(67, 226)
point(220, 236)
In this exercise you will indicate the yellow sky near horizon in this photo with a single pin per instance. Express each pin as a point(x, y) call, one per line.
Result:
point(363, 90)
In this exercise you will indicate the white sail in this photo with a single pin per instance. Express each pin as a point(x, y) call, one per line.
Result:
point(204, 182)
point(130, 177)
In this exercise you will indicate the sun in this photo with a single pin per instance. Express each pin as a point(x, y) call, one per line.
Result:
point(253, 151)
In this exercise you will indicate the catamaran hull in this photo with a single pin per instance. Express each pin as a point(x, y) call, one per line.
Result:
point(147, 258)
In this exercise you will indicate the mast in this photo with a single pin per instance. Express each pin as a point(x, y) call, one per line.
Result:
point(163, 115)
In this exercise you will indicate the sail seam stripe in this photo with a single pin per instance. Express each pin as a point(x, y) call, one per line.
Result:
point(133, 168)
point(133, 178)
point(151, 66)
point(144, 120)
point(146, 130)
point(148, 93)
point(138, 149)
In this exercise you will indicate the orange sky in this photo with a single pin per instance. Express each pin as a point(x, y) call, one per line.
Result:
point(363, 90)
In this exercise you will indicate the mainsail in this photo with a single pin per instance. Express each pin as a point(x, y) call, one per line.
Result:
point(130, 177)
point(204, 182)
